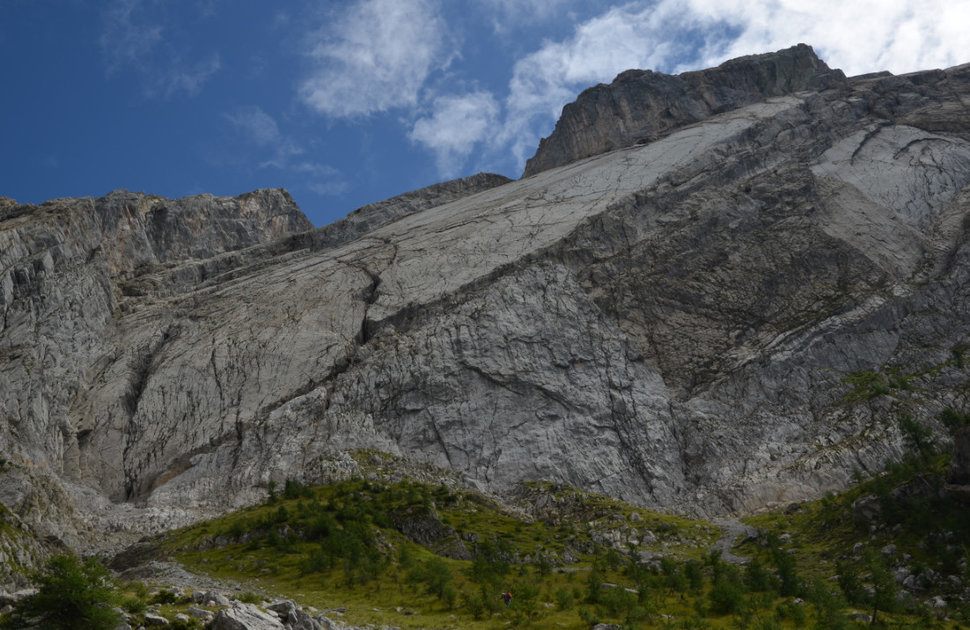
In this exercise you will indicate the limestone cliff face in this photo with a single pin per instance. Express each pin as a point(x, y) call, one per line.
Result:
point(732, 315)
point(641, 105)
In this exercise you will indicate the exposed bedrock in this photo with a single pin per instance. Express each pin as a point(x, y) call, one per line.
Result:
point(731, 313)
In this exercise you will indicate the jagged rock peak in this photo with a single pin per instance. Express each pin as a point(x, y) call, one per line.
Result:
point(642, 105)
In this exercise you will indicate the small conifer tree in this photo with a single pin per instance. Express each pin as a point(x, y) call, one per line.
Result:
point(71, 595)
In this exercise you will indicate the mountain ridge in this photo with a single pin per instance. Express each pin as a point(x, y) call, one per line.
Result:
point(732, 315)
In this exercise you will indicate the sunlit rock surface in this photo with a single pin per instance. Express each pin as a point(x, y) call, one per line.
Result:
point(731, 315)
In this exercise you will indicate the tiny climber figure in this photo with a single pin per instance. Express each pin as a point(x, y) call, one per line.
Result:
point(507, 596)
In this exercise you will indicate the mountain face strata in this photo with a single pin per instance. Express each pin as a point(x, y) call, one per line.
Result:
point(732, 314)
point(642, 105)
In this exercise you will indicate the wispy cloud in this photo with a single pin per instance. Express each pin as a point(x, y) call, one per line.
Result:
point(255, 125)
point(276, 150)
point(189, 79)
point(124, 41)
point(376, 56)
point(455, 126)
point(631, 36)
point(508, 15)
point(133, 37)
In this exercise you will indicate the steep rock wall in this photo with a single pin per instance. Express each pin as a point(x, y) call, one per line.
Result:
point(688, 324)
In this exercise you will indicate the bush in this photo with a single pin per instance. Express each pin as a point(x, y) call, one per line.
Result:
point(726, 595)
point(71, 595)
point(694, 575)
point(917, 437)
point(250, 597)
point(134, 605)
point(436, 576)
point(564, 598)
point(293, 489)
point(793, 612)
point(165, 596)
point(954, 420)
point(758, 578)
point(828, 607)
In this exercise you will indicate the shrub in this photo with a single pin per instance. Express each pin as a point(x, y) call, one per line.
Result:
point(71, 594)
point(165, 597)
point(954, 420)
point(758, 578)
point(793, 612)
point(829, 606)
point(694, 575)
point(917, 437)
point(435, 574)
point(249, 597)
point(564, 598)
point(726, 595)
point(293, 489)
point(134, 605)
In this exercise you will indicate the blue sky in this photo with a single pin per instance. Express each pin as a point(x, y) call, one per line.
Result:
point(348, 102)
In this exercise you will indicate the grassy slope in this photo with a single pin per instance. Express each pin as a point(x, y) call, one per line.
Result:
point(546, 566)
point(342, 548)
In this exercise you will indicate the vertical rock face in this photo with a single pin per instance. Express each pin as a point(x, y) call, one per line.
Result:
point(641, 105)
point(729, 316)
point(62, 268)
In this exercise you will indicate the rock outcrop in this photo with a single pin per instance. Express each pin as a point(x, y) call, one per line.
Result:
point(731, 315)
point(641, 106)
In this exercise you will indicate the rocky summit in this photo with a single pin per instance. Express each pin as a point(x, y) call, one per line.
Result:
point(710, 293)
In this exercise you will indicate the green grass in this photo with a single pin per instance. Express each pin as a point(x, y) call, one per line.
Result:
point(420, 555)
point(550, 567)
point(558, 573)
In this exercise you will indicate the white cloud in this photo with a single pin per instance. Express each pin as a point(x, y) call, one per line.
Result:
point(456, 125)
point(375, 57)
point(859, 36)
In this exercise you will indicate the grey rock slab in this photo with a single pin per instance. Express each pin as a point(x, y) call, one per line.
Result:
point(240, 616)
point(439, 251)
point(153, 620)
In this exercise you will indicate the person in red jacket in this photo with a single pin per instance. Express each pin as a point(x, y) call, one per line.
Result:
point(507, 596)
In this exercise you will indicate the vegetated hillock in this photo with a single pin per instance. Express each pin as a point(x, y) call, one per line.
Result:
point(410, 554)
point(423, 554)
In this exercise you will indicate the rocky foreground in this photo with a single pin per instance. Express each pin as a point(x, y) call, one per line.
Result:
point(720, 306)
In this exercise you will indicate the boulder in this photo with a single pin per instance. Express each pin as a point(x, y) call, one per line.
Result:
point(241, 616)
